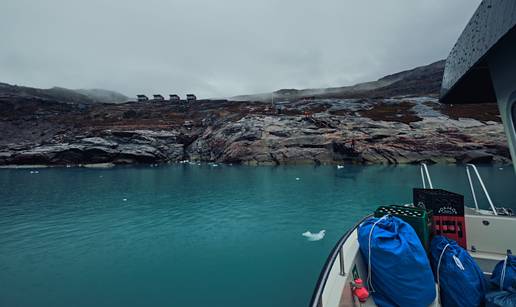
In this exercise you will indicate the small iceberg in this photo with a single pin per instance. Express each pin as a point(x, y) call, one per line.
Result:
point(314, 236)
point(297, 178)
point(34, 172)
point(340, 166)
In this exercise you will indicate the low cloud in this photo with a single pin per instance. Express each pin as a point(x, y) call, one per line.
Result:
point(221, 48)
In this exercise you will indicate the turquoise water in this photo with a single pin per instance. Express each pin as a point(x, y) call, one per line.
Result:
point(188, 235)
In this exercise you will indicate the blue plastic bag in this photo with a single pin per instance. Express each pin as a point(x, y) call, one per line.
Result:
point(460, 279)
point(400, 273)
point(506, 270)
point(500, 299)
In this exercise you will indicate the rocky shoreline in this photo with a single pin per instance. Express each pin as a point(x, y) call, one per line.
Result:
point(327, 131)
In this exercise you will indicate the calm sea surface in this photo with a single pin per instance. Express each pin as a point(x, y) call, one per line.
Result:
point(188, 235)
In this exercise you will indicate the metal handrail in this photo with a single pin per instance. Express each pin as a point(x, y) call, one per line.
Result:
point(481, 184)
point(316, 300)
point(424, 171)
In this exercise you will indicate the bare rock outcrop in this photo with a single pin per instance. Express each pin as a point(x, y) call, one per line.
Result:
point(273, 140)
point(122, 147)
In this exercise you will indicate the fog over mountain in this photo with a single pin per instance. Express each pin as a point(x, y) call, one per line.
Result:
point(221, 49)
point(105, 96)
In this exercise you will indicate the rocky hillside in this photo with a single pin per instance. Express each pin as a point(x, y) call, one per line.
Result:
point(14, 93)
point(373, 128)
point(420, 81)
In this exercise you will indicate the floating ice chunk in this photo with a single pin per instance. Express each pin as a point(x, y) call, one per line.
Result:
point(314, 236)
point(125, 199)
point(340, 166)
point(297, 178)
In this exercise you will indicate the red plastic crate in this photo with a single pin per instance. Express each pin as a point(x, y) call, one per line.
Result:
point(452, 227)
point(448, 212)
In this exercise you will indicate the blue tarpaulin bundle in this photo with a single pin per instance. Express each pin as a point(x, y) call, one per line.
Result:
point(504, 274)
point(460, 279)
point(501, 299)
point(503, 284)
point(399, 273)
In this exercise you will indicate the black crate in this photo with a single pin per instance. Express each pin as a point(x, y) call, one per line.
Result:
point(441, 202)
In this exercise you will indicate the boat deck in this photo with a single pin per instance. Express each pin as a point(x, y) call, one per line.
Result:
point(345, 263)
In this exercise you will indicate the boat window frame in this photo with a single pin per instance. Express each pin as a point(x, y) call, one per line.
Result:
point(510, 124)
point(512, 110)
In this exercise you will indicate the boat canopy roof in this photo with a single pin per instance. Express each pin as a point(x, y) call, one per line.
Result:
point(467, 76)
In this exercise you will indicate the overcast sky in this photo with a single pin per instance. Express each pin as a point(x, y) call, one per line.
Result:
point(221, 48)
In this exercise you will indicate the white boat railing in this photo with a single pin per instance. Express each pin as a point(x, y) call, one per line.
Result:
point(468, 166)
point(336, 253)
point(424, 171)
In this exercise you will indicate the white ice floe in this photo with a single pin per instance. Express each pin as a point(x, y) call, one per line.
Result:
point(340, 166)
point(34, 172)
point(314, 236)
point(297, 178)
point(125, 199)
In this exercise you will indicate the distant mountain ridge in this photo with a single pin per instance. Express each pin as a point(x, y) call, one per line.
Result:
point(420, 81)
point(60, 95)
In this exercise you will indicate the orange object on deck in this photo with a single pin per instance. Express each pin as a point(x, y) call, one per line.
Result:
point(360, 291)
